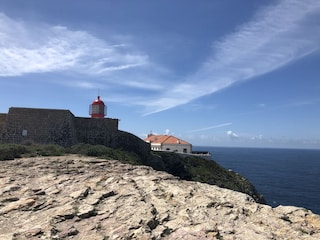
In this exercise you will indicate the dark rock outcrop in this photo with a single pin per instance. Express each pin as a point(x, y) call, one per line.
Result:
point(202, 170)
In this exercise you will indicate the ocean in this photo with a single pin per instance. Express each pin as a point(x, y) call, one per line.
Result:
point(282, 176)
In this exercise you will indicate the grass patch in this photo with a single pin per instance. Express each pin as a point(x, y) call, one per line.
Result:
point(105, 152)
point(12, 151)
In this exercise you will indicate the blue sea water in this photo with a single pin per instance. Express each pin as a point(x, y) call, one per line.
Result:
point(282, 176)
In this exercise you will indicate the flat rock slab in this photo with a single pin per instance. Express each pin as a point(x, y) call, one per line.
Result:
point(73, 197)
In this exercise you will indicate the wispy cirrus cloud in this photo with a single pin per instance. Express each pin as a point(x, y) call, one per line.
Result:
point(302, 103)
point(277, 35)
point(211, 127)
point(27, 48)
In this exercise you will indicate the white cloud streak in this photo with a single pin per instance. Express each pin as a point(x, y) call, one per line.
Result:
point(37, 49)
point(276, 36)
point(211, 127)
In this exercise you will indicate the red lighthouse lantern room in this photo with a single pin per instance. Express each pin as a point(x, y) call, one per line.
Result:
point(97, 108)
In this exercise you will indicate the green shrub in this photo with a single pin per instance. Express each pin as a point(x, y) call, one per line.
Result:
point(97, 151)
point(89, 150)
point(44, 150)
point(125, 157)
point(105, 152)
point(11, 151)
point(51, 150)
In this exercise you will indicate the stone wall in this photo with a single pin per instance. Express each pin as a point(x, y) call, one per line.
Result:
point(3, 119)
point(104, 131)
point(40, 126)
point(131, 143)
point(96, 130)
point(51, 126)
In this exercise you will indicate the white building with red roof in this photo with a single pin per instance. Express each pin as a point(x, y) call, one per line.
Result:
point(168, 143)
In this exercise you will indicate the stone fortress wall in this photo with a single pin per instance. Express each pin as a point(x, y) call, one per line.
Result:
point(40, 126)
point(3, 119)
point(54, 126)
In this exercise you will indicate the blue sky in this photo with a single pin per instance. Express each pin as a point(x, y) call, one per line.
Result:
point(214, 73)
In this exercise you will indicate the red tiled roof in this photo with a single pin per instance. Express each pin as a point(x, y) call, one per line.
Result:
point(164, 139)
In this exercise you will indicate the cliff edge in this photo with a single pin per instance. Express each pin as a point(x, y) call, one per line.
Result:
point(72, 197)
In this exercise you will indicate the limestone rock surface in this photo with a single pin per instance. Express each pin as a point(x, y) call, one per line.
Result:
point(73, 197)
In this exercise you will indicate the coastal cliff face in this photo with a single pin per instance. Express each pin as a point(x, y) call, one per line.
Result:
point(72, 197)
point(203, 170)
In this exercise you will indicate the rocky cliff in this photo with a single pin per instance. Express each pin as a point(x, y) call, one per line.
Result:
point(202, 170)
point(72, 197)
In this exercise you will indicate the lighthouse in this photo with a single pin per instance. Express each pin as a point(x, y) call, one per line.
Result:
point(97, 108)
